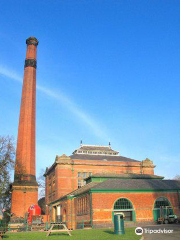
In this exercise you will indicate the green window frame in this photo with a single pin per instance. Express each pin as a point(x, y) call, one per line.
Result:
point(123, 204)
point(161, 202)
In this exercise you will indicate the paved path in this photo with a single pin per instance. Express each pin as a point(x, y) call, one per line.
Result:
point(175, 235)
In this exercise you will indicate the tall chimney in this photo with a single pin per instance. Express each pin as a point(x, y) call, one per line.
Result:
point(25, 187)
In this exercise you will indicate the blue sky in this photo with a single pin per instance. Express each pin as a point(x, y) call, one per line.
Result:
point(108, 70)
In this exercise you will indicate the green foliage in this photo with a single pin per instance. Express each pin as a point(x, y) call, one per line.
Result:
point(7, 154)
point(92, 234)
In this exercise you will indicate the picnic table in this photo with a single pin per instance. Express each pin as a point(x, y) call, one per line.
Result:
point(2, 232)
point(58, 230)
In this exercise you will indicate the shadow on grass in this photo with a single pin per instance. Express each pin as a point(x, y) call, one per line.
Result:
point(109, 231)
point(59, 234)
point(5, 236)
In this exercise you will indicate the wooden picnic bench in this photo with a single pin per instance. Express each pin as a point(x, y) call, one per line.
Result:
point(2, 234)
point(58, 230)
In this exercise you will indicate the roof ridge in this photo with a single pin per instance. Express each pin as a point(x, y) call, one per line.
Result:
point(87, 145)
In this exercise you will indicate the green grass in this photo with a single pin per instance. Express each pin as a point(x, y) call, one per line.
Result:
point(92, 234)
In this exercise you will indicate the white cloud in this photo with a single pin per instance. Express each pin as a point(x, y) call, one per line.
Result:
point(63, 100)
point(10, 74)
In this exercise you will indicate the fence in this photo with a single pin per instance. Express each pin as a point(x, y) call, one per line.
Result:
point(25, 227)
point(83, 224)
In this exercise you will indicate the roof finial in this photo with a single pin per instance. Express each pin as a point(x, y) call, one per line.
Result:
point(109, 144)
point(81, 143)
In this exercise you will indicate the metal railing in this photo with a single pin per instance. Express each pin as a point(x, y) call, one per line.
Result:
point(25, 227)
point(83, 224)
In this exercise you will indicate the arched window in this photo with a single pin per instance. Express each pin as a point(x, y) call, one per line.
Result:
point(161, 206)
point(124, 206)
point(161, 202)
point(123, 203)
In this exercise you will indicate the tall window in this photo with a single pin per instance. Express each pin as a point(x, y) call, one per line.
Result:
point(82, 205)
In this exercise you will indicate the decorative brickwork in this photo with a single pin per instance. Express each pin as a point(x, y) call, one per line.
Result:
point(30, 63)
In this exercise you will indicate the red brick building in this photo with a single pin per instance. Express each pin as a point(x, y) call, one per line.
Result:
point(69, 172)
point(94, 183)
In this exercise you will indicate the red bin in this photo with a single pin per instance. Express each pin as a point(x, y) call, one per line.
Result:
point(32, 211)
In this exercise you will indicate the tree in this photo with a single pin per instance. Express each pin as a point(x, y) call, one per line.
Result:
point(7, 155)
point(42, 205)
point(177, 177)
point(41, 183)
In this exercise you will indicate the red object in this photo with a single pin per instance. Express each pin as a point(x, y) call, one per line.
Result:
point(33, 210)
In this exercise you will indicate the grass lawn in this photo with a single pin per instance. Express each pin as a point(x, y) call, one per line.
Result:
point(92, 234)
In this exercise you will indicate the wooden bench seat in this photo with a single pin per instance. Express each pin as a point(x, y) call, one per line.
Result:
point(2, 234)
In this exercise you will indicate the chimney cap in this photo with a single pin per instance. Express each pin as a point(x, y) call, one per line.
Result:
point(32, 41)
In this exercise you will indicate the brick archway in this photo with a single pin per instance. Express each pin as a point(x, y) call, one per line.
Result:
point(64, 219)
point(160, 202)
point(125, 206)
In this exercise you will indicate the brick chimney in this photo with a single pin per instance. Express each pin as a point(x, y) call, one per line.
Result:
point(25, 187)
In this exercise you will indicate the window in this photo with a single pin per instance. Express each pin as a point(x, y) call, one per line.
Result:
point(160, 205)
point(50, 188)
point(124, 206)
point(82, 205)
point(84, 175)
point(49, 197)
point(161, 202)
point(123, 203)
point(79, 183)
point(81, 177)
point(53, 186)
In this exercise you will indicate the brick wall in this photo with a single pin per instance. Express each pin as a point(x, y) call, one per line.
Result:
point(143, 204)
point(66, 175)
point(22, 200)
